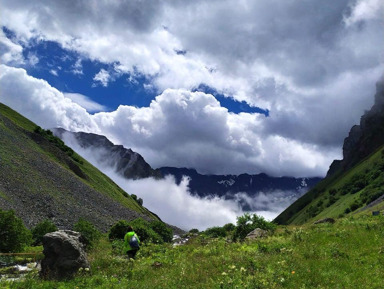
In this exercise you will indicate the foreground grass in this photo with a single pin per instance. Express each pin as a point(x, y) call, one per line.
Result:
point(347, 254)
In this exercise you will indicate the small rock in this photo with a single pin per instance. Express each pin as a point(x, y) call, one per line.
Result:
point(325, 220)
point(257, 233)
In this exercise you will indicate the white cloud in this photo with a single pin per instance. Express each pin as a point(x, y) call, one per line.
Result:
point(77, 67)
point(103, 77)
point(176, 206)
point(54, 72)
point(40, 102)
point(364, 10)
point(85, 102)
point(179, 128)
point(10, 52)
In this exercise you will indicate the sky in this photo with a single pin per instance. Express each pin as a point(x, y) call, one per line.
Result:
point(225, 87)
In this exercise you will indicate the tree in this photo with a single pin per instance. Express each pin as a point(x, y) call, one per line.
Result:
point(41, 229)
point(14, 236)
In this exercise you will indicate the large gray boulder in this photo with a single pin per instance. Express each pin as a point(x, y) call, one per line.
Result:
point(256, 234)
point(64, 255)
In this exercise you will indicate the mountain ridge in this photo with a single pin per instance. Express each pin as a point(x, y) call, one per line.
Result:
point(105, 153)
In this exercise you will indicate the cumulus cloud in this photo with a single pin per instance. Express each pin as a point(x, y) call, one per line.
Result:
point(40, 102)
point(179, 128)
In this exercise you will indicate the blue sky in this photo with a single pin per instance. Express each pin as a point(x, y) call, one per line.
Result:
point(69, 73)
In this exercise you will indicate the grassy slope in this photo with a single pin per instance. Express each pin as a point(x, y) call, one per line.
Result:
point(10, 155)
point(347, 254)
point(344, 191)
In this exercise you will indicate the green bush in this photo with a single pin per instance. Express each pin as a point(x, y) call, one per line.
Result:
point(118, 230)
point(154, 232)
point(14, 236)
point(229, 227)
point(215, 232)
point(41, 229)
point(143, 229)
point(89, 232)
point(162, 230)
point(247, 223)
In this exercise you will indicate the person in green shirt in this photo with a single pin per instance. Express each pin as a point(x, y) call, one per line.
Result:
point(131, 243)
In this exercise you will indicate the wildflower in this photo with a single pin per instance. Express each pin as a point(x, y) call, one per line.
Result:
point(232, 267)
point(242, 269)
point(224, 274)
point(293, 272)
point(86, 269)
point(282, 280)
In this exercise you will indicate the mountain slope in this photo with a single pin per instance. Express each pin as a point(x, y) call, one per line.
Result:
point(42, 178)
point(353, 184)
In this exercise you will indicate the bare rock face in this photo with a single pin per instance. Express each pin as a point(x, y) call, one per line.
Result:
point(256, 234)
point(365, 138)
point(64, 255)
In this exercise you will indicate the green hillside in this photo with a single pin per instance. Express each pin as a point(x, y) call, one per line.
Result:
point(42, 178)
point(342, 194)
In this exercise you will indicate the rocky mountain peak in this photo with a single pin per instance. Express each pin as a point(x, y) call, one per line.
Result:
point(365, 138)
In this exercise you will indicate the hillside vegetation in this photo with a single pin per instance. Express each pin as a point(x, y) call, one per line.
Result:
point(345, 193)
point(347, 254)
point(41, 178)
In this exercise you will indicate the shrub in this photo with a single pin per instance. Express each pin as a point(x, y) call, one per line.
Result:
point(247, 223)
point(162, 230)
point(194, 231)
point(14, 236)
point(215, 232)
point(41, 229)
point(138, 200)
point(118, 230)
point(89, 232)
point(229, 227)
point(143, 229)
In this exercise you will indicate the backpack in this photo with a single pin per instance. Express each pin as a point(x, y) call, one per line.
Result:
point(134, 242)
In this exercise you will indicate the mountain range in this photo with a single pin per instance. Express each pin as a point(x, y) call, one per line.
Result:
point(132, 165)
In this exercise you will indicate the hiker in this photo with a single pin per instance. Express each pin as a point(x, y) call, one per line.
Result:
point(131, 243)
